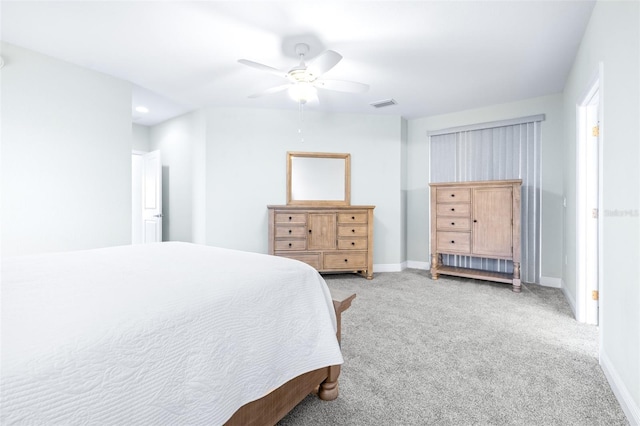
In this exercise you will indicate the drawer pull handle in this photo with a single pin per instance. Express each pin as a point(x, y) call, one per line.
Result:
point(289, 217)
point(453, 223)
point(353, 218)
point(453, 210)
point(453, 242)
point(353, 243)
point(353, 230)
point(453, 195)
point(475, 221)
point(309, 230)
point(346, 260)
point(289, 244)
point(289, 230)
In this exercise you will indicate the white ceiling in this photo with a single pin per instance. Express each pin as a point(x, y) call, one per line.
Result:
point(432, 57)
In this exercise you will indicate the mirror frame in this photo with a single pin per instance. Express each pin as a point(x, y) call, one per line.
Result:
point(347, 179)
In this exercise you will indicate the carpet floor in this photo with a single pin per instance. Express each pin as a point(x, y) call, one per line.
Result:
point(462, 352)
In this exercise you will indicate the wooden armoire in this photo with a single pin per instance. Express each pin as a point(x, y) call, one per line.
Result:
point(476, 219)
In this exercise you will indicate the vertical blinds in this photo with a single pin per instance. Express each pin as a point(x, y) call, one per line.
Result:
point(494, 151)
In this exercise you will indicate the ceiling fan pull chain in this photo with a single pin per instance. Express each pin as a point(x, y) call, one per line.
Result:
point(301, 118)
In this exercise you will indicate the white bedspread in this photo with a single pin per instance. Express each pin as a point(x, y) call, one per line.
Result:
point(166, 333)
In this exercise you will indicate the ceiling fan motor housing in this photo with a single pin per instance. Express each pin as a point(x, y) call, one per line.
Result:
point(302, 49)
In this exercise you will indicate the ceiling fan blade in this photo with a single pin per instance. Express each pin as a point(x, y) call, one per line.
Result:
point(341, 86)
point(275, 89)
point(263, 67)
point(323, 63)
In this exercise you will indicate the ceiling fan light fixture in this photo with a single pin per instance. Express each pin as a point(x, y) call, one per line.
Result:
point(303, 92)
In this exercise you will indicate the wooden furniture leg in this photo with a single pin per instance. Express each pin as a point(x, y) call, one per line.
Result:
point(329, 388)
point(516, 277)
point(341, 302)
point(434, 266)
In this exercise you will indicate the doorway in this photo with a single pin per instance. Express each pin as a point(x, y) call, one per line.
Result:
point(146, 193)
point(588, 204)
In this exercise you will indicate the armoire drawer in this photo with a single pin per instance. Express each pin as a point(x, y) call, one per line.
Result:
point(453, 223)
point(457, 209)
point(454, 242)
point(452, 195)
point(345, 260)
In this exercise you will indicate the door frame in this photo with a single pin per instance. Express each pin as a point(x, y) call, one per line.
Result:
point(588, 251)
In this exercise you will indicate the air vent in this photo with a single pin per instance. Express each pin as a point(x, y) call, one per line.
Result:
point(384, 103)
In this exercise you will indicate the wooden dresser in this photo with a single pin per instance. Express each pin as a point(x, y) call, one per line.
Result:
point(331, 239)
point(477, 219)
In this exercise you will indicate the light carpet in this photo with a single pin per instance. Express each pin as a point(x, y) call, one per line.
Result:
point(462, 352)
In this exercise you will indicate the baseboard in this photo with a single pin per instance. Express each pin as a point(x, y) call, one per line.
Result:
point(628, 405)
point(389, 267)
point(551, 282)
point(571, 299)
point(414, 264)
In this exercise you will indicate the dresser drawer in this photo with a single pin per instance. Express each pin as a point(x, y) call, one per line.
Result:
point(453, 210)
point(291, 245)
point(345, 260)
point(352, 230)
point(353, 217)
point(291, 231)
point(452, 195)
point(453, 242)
point(453, 223)
point(352, 244)
point(284, 217)
point(312, 259)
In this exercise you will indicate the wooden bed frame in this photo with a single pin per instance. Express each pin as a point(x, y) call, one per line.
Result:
point(272, 407)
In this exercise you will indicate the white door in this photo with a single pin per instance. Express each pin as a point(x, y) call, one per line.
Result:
point(151, 197)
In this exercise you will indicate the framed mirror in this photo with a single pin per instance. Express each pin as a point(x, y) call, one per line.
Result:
point(318, 178)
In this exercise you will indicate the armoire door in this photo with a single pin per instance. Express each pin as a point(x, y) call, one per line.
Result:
point(492, 222)
point(322, 231)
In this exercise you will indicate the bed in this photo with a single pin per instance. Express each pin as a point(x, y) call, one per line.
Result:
point(166, 333)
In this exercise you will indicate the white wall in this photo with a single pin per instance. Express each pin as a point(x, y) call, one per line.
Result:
point(180, 142)
point(613, 39)
point(551, 163)
point(140, 143)
point(242, 169)
point(404, 168)
point(246, 171)
point(140, 135)
point(66, 156)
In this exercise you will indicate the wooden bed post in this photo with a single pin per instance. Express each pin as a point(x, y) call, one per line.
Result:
point(329, 388)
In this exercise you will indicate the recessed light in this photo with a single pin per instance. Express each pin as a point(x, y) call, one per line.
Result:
point(142, 109)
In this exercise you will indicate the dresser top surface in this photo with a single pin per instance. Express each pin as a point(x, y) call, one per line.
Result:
point(300, 207)
point(479, 183)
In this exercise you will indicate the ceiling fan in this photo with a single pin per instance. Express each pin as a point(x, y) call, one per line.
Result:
point(305, 78)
